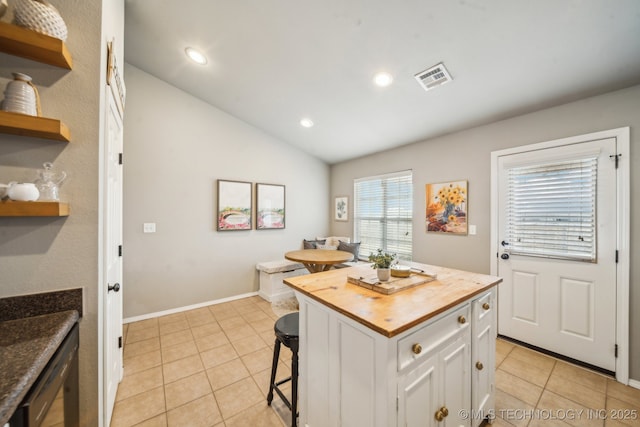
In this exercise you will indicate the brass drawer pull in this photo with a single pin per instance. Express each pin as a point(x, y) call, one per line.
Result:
point(479, 366)
point(441, 413)
point(416, 348)
point(486, 306)
point(462, 320)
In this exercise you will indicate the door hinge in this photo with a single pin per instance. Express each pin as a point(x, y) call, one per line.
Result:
point(616, 256)
point(120, 250)
point(119, 342)
point(616, 157)
point(119, 158)
point(397, 403)
point(615, 351)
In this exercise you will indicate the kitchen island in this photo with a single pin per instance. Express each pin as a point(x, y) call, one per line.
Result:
point(421, 356)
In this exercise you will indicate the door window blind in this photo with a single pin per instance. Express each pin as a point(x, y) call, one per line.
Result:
point(551, 210)
point(383, 214)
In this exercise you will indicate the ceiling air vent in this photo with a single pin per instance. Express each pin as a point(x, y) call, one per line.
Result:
point(433, 77)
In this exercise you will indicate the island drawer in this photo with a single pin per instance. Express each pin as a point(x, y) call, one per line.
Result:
point(422, 342)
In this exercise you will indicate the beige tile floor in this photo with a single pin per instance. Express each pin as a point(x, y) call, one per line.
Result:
point(211, 367)
point(533, 389)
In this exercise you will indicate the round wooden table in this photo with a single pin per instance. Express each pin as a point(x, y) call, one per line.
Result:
point(317, 260)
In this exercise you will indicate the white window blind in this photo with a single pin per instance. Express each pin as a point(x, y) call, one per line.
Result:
point(551, 210)
point(383, 214)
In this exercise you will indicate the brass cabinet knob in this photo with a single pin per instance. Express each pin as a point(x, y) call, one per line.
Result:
point(486, 306)
point(441, 413)
point(462, 320)
point(479, 366)
point(417, 348)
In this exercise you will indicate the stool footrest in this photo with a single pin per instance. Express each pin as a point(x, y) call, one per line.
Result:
point(283, 381)
point(283, 397)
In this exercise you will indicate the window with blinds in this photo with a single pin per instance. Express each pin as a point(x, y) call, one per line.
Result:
point(383, 214)
point(551, 210)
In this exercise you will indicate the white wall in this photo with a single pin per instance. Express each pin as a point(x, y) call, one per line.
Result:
point(466, 155)
point(176, 147)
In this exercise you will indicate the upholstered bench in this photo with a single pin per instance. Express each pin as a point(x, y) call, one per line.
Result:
point(271, 274)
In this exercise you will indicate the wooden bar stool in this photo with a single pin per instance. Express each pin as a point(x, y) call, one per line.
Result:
point(286, 329)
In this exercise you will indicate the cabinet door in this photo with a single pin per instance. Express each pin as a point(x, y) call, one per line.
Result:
point(483, 356)
point(418, 394)
point(455, 382)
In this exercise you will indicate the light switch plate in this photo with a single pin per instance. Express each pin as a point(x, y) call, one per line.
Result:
point(472, 230)
point(149, 227)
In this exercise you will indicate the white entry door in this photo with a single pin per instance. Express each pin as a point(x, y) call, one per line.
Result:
point(112, 257)
point(557, 249)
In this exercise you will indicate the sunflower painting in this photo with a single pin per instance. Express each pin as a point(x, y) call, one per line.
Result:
point(447, 207)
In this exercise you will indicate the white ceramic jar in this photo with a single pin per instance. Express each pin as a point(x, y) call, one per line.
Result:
point(20, 96)
point(25, 192)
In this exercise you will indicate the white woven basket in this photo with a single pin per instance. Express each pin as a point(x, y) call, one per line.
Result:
point(40, 16)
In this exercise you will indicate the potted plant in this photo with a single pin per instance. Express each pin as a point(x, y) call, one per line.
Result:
point(382, 262)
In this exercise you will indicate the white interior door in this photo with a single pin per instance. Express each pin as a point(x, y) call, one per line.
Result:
point(562, 302)
point(112, 257)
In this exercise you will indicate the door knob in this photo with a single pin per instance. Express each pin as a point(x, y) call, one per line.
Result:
point(504, 256)
point(114, 288)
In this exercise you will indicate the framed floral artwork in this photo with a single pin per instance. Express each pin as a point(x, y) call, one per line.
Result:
point(341, 208)
point(270, 212)
point(234, 205)
point(447, 207)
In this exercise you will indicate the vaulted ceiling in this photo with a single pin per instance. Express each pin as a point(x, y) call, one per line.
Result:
point(273, 62)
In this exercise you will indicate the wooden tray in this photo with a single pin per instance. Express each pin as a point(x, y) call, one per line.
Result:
point(393, 285)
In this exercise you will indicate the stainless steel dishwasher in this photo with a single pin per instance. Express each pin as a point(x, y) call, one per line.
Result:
point(53, 399)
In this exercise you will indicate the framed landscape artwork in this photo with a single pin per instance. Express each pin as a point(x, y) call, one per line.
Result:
point(447, 207)
point(270, 206)
point(234, 205)
point(341, 208)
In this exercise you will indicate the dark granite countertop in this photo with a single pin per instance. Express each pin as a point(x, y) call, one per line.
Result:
point(26, 346)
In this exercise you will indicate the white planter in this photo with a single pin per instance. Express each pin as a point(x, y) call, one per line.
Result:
point(383, 274)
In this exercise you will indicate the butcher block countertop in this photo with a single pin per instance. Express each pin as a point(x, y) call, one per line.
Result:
point(393, 314)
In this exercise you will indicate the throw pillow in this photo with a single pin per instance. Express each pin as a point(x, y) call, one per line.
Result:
point(327, 247)
point(334, 240)
point(354, 248)
point(312, 244)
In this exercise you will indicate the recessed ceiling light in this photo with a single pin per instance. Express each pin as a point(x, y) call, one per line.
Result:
point(306, 123)
point(383, 79)
point(196, 56)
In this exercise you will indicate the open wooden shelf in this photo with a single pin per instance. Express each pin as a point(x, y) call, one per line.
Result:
point(39, 127)
point(29, 44)
point(16, 208)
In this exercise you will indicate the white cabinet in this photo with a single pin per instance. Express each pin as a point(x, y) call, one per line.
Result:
point(483, 355)
point(436, 387)
point(351, 375)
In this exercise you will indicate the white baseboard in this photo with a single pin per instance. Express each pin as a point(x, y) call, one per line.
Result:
point(186, 308)
point(634, 384)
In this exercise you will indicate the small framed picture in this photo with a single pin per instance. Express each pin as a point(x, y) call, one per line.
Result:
point(341, 208)
point(234, 205)
point(270, 212)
